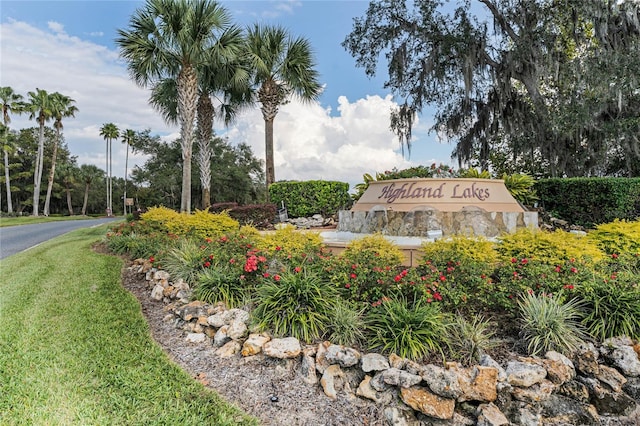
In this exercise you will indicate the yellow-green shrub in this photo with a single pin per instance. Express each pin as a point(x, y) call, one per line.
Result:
point(617, 237)
point(159, 217)
point(552, 248)
point(460, 248)
point(202, 224)
point(386, 252)
point(287, 242)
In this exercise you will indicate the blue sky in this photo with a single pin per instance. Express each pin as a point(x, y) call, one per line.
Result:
point(67, 46)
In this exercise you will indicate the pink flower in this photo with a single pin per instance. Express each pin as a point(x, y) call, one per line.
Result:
point(347, 285)
point(437, 296)
point(276, 277)
point(574, 270)
point(297, 269)
point(514, 260)
point(614, 255)
point(266, 275)
point(443, 278)
point(524, 261)
point(278, 248)
point(353, 276)
point(558, 268)
point(207, 264)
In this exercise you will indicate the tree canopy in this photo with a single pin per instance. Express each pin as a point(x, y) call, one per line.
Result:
point(552, 83)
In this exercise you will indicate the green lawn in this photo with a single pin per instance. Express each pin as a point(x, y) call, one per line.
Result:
point(75, 348)
point(26, 220)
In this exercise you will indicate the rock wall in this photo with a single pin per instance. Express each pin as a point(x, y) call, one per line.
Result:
point(598, 385)
point(418, 222)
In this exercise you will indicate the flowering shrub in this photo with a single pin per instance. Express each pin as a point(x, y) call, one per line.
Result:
point(552, 248)
point(518, 276)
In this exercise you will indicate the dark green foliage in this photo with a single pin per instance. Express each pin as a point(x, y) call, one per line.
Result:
point(258, 215)
point(409, 330)
point(591, 201)
point(295, 304)
point(310, 197)
point(613, 306)
point(220, 285)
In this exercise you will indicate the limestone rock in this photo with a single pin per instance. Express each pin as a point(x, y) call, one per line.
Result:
point(534, 393)
point(490, 415)
point(632, 388)
point(229, 349)
point(397, 362)
point(253, 345)
point(586, 359)
point(289, 347)
point(421, 399)
point(308, 368)
point(559, 409)
point(401, 378)
point(365, 390)
point(441, 381)
point(606, 401)
point(338, 354)
point(157, 293)
point(476, 383)
point(192, 310)
point(487, 361)
point(576, 390)
point(196, 338)
point(237, 330)
point(374, 362)
point(378, 383)
point(559, 368)
point(524, 374)
point(620, 352)
point(611, 377)
point(321, 361)
point(221, 337)
point(332, 381)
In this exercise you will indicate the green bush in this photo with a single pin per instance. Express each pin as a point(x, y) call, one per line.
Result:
point(410, 330)
point(612, 306)
point(307, 198)
point(220, 285)
point(547, 323)
point(346, 324)
point(185, 261)
point(469, 339)
point(294, 304)
point(590, 201)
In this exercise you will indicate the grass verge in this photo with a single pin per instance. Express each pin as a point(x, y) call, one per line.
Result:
point(28, 220)
point(75, 348)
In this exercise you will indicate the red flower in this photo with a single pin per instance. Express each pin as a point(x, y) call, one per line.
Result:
point(443, 278)
point(524, 261)
point(278, 248)
point(266, 275)
point(614, 255)
point(207, 264)
point(569, 286)
point(152, 259)
point(353, 276)
point(347, 285)
point(276, 277)
point(514, 260)
point(232, 261)
point(354, 266)
point(558, 268)
point(398, 278)
point(437, 296)
point(574, 270)
point(297, 269)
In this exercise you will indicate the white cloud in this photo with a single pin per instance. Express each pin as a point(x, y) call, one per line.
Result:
point(310, 141)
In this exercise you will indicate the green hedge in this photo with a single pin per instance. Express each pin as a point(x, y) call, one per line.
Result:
point(303, 199)
point(590, 201)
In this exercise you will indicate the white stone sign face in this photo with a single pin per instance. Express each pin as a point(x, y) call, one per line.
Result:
point(446, 195)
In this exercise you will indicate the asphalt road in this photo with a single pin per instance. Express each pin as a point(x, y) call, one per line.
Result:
point(14, 239)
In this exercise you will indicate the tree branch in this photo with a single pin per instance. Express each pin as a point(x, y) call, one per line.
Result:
point(498, 17)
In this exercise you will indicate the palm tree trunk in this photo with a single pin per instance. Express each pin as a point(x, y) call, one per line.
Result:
point(7, 181)
point(268, 151)
point(187, 105)
point(110, 176)
point(205, 126)
point(126, 165)
point(37, 174)
point(86, 200)
point(69, 205)
point(106, 173)
point(52, 173)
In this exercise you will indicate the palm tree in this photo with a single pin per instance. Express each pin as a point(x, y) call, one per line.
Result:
point(89, 174)
point(10, 102)
point(39, 107)
point(281, 66)
point(61, 108)
point(174, 39)
point(128, 136)
point(68, 172)
point(109, 132)
point(228, 83)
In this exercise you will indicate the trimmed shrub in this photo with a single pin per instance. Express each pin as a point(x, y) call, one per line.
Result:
point(617, 237)
point(287, 243)
point(202, 224)
point(258, 215)
point(307, 198)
